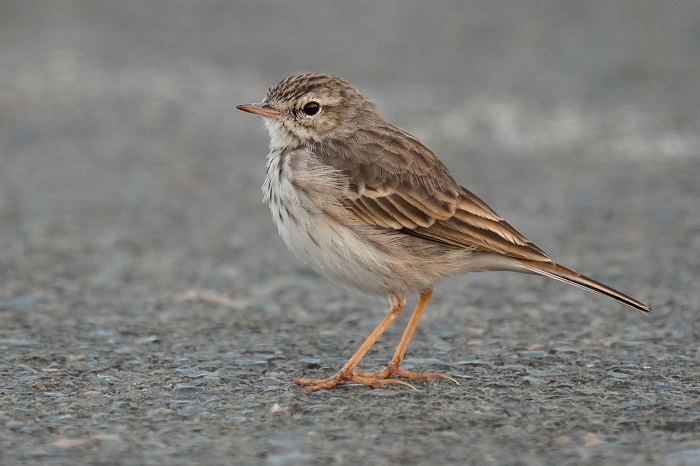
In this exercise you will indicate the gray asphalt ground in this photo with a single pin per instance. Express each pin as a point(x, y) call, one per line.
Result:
point(149, 313)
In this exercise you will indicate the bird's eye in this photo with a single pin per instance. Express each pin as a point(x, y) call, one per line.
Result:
point(311, 108)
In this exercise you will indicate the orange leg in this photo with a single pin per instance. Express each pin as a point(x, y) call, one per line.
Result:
point(393, 368)
point(346, 373)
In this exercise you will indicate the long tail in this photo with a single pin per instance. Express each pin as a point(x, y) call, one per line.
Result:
point(566, 275)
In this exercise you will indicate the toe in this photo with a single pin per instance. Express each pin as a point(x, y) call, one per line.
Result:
point(423, 377)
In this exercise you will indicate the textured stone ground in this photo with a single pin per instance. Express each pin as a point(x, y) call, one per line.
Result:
point(149, 314)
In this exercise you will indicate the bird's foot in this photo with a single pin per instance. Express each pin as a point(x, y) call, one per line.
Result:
point(371, 380)
point(395, 371)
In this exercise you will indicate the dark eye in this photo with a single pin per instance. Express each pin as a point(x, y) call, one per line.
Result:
point(311, 108)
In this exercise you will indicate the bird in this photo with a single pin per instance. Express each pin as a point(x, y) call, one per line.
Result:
point(369, 206)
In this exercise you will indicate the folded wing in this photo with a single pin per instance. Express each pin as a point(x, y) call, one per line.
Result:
point(395, 182)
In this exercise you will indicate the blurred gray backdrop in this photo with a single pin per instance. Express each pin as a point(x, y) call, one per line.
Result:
point(149, 314)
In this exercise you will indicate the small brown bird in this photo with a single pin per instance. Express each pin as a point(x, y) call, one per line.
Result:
point(369, 206)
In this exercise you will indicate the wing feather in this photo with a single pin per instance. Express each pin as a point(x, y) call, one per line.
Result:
point(401, 185)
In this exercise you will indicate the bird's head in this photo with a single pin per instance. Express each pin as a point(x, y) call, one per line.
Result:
point(311, 108)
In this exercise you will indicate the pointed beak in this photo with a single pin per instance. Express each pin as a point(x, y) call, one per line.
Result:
point(263, 110)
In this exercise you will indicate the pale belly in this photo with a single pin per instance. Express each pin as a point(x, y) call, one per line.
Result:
point(335, 250)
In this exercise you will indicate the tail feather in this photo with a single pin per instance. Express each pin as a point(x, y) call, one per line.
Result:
point(566, 275)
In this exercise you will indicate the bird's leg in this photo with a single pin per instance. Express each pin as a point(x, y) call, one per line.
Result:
point(393, 368)
point(346, 373)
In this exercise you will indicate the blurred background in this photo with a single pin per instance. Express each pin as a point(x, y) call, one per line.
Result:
point(120, 143)
point(132, 223)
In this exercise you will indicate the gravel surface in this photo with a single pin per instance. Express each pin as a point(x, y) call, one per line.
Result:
point(149, 313)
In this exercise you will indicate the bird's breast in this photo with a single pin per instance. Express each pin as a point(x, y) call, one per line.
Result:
point(296, 201)
point(305, 202)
